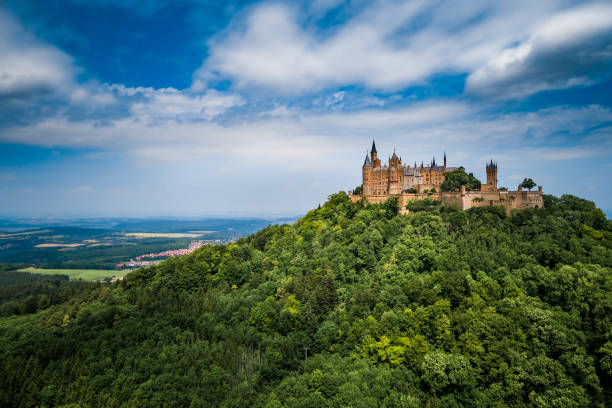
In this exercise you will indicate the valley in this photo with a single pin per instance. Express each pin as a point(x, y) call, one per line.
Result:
point(112, 245)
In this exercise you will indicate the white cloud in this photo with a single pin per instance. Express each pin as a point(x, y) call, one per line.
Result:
point(573, 25)
point(169, 103)
point(388, 45)
point(92, 95)
point(334, 98)
point(368, 101)
point(571, 48)
point(28, 67)
point(323, 140)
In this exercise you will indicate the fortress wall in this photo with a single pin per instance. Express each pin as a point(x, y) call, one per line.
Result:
point(467, 199)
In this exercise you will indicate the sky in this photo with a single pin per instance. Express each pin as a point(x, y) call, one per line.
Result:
point(199, 108)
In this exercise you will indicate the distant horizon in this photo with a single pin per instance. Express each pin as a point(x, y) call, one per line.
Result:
point(145, 217)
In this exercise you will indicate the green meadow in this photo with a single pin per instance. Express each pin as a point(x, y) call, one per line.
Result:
point(75, 274)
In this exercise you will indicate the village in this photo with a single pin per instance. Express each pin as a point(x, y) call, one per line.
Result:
point(155, 258)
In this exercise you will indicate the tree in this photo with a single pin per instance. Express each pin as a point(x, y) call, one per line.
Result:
point(528, 184)
point(455, 179)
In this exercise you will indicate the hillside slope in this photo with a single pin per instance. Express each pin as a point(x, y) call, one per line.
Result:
point(438, 308)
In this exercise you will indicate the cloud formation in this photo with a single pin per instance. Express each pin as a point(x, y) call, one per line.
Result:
point(33, 75)
point(28, 67)
point(391, 45)
point(571, 48)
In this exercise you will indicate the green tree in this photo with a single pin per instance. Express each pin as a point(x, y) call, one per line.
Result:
point(455, 179)
point(528, 184)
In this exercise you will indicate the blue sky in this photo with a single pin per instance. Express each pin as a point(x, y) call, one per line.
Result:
point(129, 108)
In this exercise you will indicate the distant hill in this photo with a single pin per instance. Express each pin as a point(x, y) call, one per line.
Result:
point(151, 224)
point(352, 305)
point(209, 224)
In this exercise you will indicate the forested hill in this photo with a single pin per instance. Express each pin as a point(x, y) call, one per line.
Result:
point(439, 308)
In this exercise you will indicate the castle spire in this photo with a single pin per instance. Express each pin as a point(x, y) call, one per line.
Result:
point(445, 159)
point(367, 161)
point(374, 156)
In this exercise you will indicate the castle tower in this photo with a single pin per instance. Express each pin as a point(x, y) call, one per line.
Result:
point(366, 176)
point(374, 156)
point(394, 161)
point(491, 177)
point(396, 175)
point(445, 162)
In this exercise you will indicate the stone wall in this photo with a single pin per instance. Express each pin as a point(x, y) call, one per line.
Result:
point(467, 199)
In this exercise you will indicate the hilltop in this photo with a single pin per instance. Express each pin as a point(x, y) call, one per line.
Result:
point(352, 305)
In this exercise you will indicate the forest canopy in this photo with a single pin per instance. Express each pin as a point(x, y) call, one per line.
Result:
point(353, 305)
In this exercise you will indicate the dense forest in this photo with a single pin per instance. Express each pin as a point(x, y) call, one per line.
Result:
point(351, 306)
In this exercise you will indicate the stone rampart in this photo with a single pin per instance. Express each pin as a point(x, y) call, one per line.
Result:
point(466, 199)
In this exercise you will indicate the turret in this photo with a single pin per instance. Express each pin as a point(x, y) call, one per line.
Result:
point(374, 155)
point(373, 152)
point(491, 177)
point(367, 161)
point(394, 161)
point(445, 162)
point(366, 176)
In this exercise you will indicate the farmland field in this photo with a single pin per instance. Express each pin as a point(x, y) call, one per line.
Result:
point(163, 234)
point(104, 243)
point(84, 274)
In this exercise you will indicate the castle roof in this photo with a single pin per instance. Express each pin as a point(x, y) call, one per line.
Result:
point(411, 171)
point(373, 147)
point(367, 161)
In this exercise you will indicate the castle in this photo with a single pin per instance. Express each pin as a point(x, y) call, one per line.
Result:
point(395, 179)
